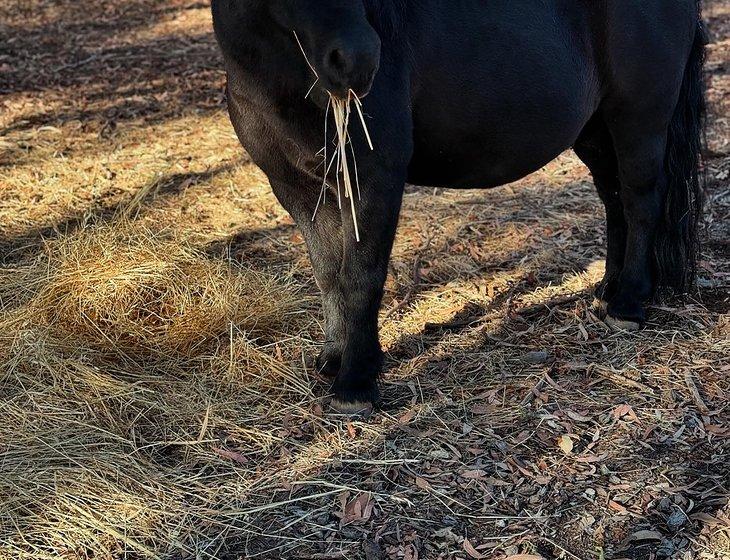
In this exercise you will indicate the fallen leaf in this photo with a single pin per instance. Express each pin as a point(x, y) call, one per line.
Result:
point(410, 553)
point(615, 506)
point(537, 357)
point(482, 409)
point(524, 557)
point(448, 535)
point(577, 417)
point(591, 458)
point(566, 444)
point(471, 551)
point(474, 474)
point(407, 417)
point(624, 410)
point(423, 484)
point(358, 510)
point(520, 468)
point(710, 520)
point(676, 520)
point(232, 455)
point(645, 536)
point(717, 430)
point(439, 454)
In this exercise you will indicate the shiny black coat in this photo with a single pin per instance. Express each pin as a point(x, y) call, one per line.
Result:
point(475, 93)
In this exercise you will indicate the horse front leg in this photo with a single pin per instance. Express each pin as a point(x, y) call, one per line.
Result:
point(362, 279)
point(323, 235)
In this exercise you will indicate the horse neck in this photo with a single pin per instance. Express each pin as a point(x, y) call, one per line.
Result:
point(388, 17)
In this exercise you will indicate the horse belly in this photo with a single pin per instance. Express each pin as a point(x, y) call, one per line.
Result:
point(495, 98)
point(487, 157)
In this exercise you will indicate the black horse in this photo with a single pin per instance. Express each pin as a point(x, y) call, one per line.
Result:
point(470, 94)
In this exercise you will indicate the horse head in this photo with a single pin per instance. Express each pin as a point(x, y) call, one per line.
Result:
point(331, 40)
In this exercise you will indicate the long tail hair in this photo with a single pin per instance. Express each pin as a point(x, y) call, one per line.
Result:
point(677, 242)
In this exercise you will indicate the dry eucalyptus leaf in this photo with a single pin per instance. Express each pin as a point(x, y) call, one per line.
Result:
point(565, 444)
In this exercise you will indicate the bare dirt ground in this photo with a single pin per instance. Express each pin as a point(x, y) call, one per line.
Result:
point(514, 422)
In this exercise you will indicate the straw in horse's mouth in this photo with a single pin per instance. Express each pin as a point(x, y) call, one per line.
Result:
point(341, 112)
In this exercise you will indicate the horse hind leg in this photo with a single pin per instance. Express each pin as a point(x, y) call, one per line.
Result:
point(640, 151)
point(595, 149)
point(653, 111)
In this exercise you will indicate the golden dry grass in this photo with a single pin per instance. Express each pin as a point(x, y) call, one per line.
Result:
point(132, 291)
point(158, 317)
point(133, 347)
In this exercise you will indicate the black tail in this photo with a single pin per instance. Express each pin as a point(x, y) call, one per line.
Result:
point(677, 245)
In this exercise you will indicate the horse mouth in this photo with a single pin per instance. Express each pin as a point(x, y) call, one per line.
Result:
point(360, 87)
point(365, 90)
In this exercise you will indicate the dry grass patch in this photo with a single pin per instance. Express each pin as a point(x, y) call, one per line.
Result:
point(139, 396)
point(122, 290)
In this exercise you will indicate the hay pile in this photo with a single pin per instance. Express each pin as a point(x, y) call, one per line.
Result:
point(137, 392)
point(127, 291)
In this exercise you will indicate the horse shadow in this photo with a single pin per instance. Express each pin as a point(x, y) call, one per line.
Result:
point(17, 246)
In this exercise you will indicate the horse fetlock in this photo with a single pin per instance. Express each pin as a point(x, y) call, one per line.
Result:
point(357, 380)
point(329, 360)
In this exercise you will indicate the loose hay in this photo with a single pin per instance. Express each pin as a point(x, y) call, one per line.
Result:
point(124, 380)
point(121, 290)
point(341, 110)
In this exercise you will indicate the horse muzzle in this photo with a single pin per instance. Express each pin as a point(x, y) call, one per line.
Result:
point(351, 66)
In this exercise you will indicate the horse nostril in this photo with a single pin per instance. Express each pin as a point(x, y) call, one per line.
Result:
point(338, 61)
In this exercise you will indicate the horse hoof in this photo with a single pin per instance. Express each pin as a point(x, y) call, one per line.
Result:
point(600, 307)
point(356, 409)
point(622, 325)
